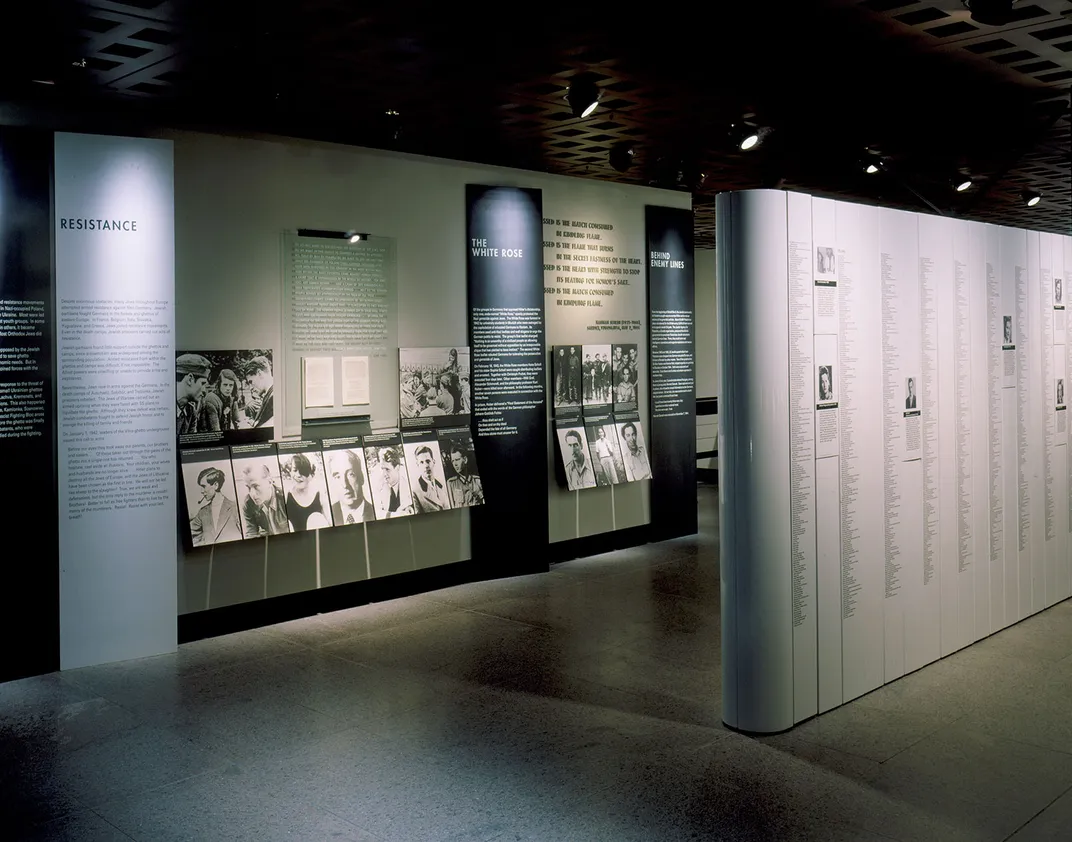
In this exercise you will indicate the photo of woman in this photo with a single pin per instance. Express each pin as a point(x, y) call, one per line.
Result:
point(306, 489)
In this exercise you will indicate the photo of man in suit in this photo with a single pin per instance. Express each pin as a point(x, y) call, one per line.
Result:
point(259, 379)
point(910, 392)
point(429, 492)
point(1006, 322)
point(264, 511)
point(216, 520)
point(347, 471)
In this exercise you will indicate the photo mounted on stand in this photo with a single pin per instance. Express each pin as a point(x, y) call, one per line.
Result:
point(427, 481)
point(261, 503)
point(598, 379)
point(825, 266)
point(576, 460)
point(388, 477)
point(825, 389)
point(305, 485)
point(634, 448)
point(567, 379)
point(224, 397)
point(625, 366)
point(211, 501)
point(433, 387)
point(460, 469)
point(605, 450)
point(348, 485)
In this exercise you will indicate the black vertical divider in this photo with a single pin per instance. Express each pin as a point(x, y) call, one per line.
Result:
point(29, 596)
point(504, 263)
point(672, 361)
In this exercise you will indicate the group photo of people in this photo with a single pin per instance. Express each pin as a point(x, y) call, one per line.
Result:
point(433, 382)
point(224, 396)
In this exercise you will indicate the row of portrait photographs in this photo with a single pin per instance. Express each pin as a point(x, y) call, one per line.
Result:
point(826, 388)
point(250, 491)
point(224, 397)
point(600, 377)
point(603, 451)
point(433, 387)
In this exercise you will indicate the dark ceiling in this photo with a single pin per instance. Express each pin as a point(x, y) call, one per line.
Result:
point(920, 82)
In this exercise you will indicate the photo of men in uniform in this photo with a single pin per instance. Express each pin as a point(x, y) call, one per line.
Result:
point(634, 453)
point(224, 396)
point(460, 470)
point(433, 383)
point(347, 486)
point(210, 497)
point(598, 376)
point(606, 453)
point(575, 459)
point(260, 489)
point(427, 482)
point(568, 375)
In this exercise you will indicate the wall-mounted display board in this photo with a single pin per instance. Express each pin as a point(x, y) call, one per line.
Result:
point(305, 485)
point(893, 451)
point(224, 397)
point(434, 388)
point(211, 499)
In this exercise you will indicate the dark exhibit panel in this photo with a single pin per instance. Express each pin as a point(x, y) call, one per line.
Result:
point(29, 607)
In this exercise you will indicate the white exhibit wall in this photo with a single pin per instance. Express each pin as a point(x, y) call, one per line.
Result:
point(115, 282)
point(911, 495)
point(234, 199)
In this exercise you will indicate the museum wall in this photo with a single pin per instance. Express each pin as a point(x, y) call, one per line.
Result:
point(893, 444)
point(706, 325)
point(234, 199)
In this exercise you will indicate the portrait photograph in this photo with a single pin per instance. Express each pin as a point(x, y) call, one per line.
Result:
point(460, 470)
point(910, 393)
point(348, 484)
point(224, 397)
point(211, 499)
point(305, 485)
point(260, 490)
point(625, 367)
point(634, 450)
point(1060, 391)
point(1058, 292)
point(598, 376)
point(434, 386)
point(1006, 326)
point(825, 384)
point(576, 460)
point(388, 477)
point(428, 483)
point(567, 376)
point(825, 262)
point(606, 453)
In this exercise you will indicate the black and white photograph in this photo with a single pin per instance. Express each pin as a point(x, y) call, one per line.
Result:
point(825, 263)
point(261, 503)
point(567, 375)
point(605, 451)
point(305, 485)
point(910, 393)
point(1006, 326)
point(625, 367)
point(427, 481)
point(576, 459)
point(348, 485)
point(634, 450)
point(1058, 294)
point(224, 397)
point(433, 387)
point(211, 501)
point(1060, 393)
point(388, 477)
point(825, 377)
point(460, 470)
point(598, 377)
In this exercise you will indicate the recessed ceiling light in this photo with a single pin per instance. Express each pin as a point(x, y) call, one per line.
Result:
point(1031, 197)
point(962, 183)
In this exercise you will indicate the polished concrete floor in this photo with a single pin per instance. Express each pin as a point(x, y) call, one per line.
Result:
point(582, 704)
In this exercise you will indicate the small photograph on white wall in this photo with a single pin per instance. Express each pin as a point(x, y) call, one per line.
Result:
point(434, 387)
point(260, 490)
point(427, 482)
point(910, 401)
point(825, 264)
point(634, 450)
point(598, 377)
point(1058, 294)
point(625, 364)
point(211, 501)
point(460, 468)
point(1006, 332)
point(348, 485)
point(605, 450)
point(573, 445)
point(825, 386)
point(567, 373)
point(1060, 393)
point(224, 397)
point(388, 477)
point(305, 485)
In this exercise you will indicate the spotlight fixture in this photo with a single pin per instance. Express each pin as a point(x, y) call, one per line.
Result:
point(962, 183)
point(991, 12)
point(1031, 197)
point(390, 112)
point(745, 137)
point(621, 155)
point(583, 95)
point(356, 236)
